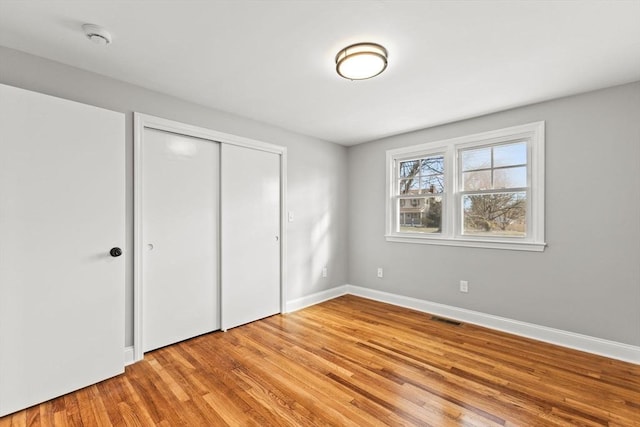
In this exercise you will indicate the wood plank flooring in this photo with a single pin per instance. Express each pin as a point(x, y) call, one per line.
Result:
point(355, 362)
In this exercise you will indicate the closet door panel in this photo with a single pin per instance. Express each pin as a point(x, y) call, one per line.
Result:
point(180, 237)
point(250, 232)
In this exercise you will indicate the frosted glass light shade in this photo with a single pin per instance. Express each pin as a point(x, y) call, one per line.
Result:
point(361, 61)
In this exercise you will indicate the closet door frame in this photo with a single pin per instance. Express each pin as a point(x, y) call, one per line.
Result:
point(144, 121)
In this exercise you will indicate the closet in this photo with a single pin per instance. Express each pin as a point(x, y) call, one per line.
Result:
point(208, 231)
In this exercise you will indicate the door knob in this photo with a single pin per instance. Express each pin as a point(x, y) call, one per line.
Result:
point(115, 252)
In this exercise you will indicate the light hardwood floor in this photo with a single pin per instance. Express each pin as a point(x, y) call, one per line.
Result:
point(352, 361)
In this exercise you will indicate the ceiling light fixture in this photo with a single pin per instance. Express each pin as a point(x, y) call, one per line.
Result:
point(97, 34)
point(361, 61)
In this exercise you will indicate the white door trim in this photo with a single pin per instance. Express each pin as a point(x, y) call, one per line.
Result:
point(142, 121)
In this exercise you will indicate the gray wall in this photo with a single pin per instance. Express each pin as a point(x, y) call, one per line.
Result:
point(587, 280)
point(316, 169)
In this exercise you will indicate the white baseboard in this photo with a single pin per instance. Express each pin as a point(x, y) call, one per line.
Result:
point(599, 346)
point(128, 356)
point(317, 298)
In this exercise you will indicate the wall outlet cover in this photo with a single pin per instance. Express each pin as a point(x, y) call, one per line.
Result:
point(464, 286)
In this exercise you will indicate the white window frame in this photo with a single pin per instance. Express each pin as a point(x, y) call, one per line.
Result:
point(451, 235)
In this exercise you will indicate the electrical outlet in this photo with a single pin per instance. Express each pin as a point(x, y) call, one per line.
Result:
point(324, 271)
point(380, 273)
point(464, 286)
point(290, 216)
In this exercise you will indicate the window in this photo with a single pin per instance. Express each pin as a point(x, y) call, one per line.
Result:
point(483, 190)
point(420, 186)
point(494, 189)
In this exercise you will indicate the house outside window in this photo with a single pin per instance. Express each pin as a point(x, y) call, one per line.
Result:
point(482, 190)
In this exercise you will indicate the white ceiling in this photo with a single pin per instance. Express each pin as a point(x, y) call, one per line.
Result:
point(273, 61)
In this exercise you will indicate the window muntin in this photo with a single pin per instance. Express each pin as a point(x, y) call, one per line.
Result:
point(483, 190)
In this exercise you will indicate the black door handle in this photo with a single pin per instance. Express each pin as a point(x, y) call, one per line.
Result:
point(115, 252)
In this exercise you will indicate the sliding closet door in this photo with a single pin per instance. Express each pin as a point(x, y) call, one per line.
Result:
point(180, 237)
point(250, 229)
point(62, 195)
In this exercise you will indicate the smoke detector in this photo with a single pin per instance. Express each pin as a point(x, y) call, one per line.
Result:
point(97, 34)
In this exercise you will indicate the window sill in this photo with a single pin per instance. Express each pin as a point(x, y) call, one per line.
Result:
point(468, 243)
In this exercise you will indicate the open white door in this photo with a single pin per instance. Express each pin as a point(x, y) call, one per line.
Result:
point(180, 237)
point(250, 230)
point(62, 196)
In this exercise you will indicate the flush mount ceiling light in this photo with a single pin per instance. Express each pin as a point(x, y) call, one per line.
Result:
point(97, 34)
point(361, 61)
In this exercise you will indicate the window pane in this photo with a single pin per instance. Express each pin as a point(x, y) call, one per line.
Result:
point(476, 159)
point(409, 169)
point(409, 186)
point(498, 214)
point(510, 177)
point(510, 154)
point(432, 184)
point(432, 166)
point(480, 180)
point(421, 215)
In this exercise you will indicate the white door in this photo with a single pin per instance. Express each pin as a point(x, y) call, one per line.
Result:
point(62, 195)
point(180, 195)
point(250, 230)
